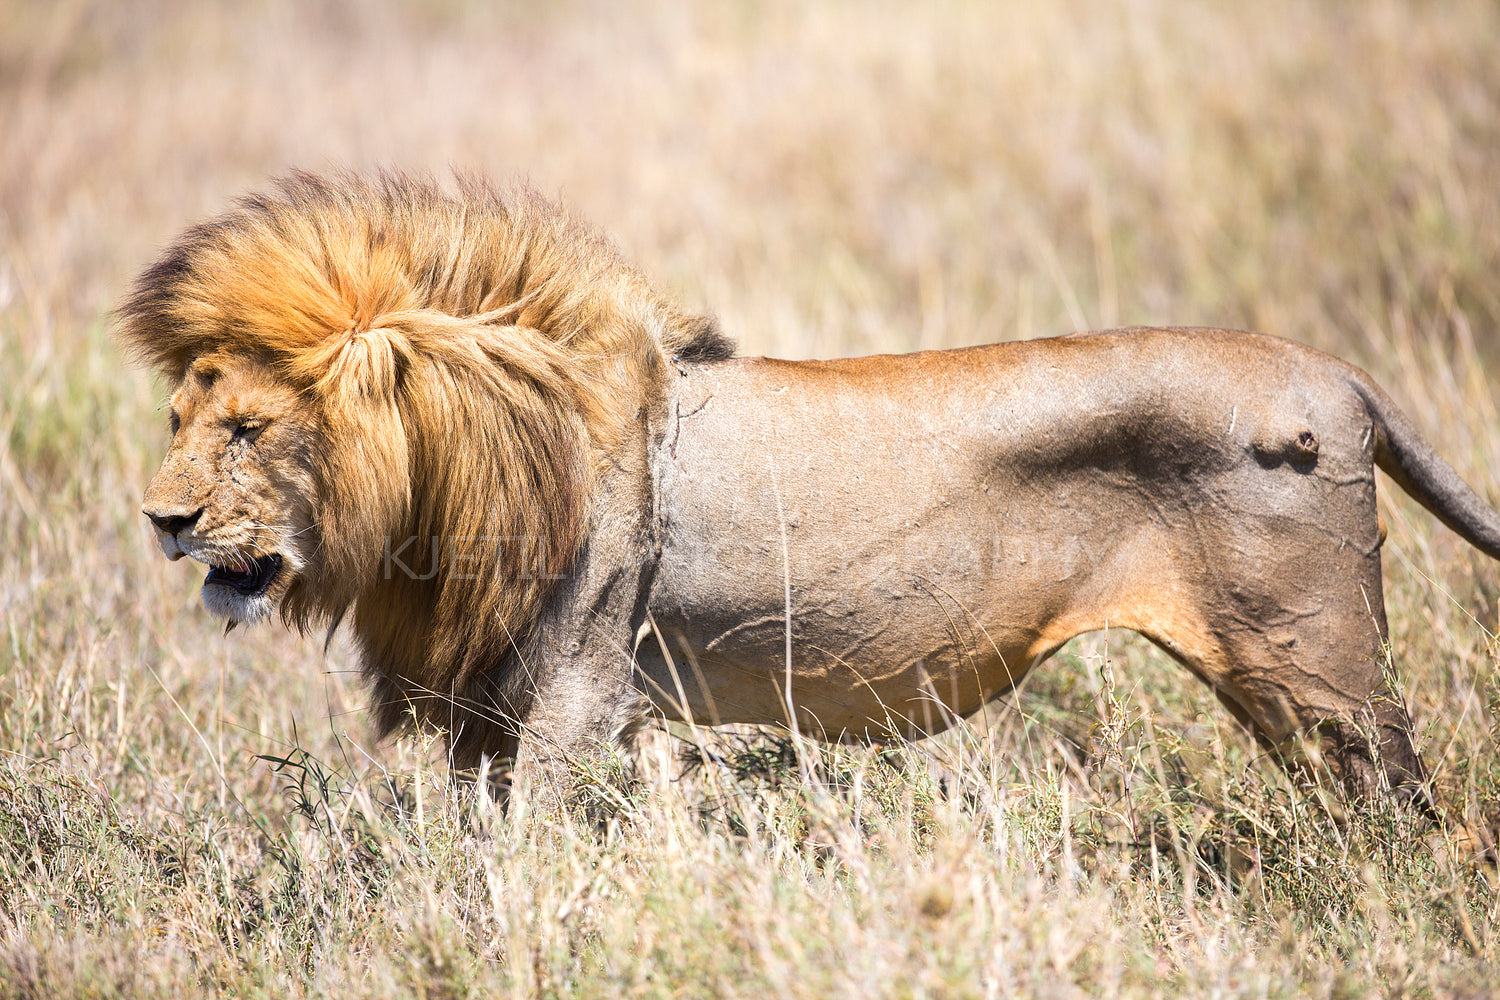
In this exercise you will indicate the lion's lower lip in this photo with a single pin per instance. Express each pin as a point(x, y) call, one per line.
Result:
point(250, 580)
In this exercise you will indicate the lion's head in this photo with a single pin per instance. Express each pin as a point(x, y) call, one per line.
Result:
point(388, 401)
point(237, 490)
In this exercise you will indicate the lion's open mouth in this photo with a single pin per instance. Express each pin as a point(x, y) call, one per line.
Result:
point(249, 578)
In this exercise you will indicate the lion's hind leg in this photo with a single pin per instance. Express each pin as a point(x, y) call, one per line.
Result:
point(1299, 652)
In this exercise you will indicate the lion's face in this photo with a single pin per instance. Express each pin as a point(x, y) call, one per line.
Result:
point(236, 490)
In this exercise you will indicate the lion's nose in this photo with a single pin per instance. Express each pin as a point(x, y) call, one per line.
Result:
point(174, 523)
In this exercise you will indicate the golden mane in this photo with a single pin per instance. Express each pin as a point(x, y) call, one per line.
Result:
point(471, 356)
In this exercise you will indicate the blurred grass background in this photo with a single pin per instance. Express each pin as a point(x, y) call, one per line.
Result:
point(827, 179)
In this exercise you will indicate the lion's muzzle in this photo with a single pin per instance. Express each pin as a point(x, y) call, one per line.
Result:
point(169, 525)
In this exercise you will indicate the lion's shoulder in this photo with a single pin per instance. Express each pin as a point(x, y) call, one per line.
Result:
point(698, 338)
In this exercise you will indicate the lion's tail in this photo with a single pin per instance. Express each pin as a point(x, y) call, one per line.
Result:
point(1407, 457)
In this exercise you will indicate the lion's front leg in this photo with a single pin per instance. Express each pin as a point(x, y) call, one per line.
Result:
point(582, 713)
point(583, 703)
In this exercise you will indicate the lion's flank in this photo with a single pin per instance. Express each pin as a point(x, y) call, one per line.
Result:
point(470, 355)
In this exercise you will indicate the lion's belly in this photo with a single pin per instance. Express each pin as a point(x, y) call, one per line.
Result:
point(894, 632)
point(895, 667)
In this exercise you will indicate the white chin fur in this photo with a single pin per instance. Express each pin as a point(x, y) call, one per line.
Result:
point(226, 602)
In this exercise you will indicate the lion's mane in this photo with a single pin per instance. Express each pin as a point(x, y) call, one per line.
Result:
point(472, 355)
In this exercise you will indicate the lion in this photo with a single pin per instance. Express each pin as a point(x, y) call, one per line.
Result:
point(551, 505)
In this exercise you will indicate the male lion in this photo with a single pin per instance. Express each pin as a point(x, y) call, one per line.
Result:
point(548, 501)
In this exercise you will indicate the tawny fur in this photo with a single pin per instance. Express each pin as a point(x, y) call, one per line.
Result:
point(856, 547)
point(468, 357)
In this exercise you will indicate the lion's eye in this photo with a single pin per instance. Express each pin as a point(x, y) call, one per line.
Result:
point(246, 430)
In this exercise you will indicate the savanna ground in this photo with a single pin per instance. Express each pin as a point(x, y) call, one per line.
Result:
point(184, 813)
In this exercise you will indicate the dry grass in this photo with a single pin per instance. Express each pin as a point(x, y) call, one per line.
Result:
point(831, 178)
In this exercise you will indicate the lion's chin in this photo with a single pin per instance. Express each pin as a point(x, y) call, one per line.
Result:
point(225, 601)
